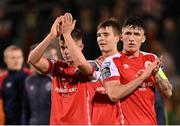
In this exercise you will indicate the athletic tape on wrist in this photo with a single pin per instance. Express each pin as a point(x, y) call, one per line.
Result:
point(161, 74)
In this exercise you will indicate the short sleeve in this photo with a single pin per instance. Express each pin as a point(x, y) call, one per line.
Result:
point(51, 66)
point(109, 70)
point(96, 71)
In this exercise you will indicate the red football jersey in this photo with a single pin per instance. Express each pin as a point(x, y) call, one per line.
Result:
point(138, 107)
point(71, 95)
point(104, 111)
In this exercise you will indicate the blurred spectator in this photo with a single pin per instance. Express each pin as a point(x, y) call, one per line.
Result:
point(13, 85)
point(37, 98)
point(38, 93)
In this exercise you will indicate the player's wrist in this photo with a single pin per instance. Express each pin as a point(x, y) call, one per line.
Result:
point(141, 79)
point(66, 34)
point(51, 36)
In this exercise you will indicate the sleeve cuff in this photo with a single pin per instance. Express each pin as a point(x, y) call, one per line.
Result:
point(49, 68)
point(109, 79)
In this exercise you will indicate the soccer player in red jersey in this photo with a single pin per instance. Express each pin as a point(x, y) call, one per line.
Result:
point(71, 90)
point(132, 75)
point(104, 111)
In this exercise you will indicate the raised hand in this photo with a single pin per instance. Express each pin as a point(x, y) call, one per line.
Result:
point(68, 23)
point(155, 71)
point(56, 29)
point(153, 67)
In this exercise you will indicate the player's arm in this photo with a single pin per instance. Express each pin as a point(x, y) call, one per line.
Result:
point(75, 52)
point(113, 86)
point(163, 84)
point(36, 55)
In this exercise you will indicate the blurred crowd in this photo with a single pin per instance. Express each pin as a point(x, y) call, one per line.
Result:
point(25, 23)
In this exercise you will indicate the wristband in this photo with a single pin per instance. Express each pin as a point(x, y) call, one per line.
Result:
point(161, 74)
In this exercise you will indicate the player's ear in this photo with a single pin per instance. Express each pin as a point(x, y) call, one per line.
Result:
point(117, 39)
point(121, 36)
point(82, 46)
point(144, 39)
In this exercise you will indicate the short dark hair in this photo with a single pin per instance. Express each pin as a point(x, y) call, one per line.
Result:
point(76, 35)
point(134, 22)
point(113, 22)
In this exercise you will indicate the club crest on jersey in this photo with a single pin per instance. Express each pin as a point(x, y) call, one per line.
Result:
point(139, 73)
point(105, 73)
point(107, 64)
point(147, 63)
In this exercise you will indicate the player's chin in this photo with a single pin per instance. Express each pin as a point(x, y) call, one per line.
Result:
point(66, 60)
point(69, 61)
point(132, 50)
point(103, 49)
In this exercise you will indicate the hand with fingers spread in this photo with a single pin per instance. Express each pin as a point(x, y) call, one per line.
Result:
point(155, 71)
point(162, 82)
point(56, 29)
point(68, 24)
